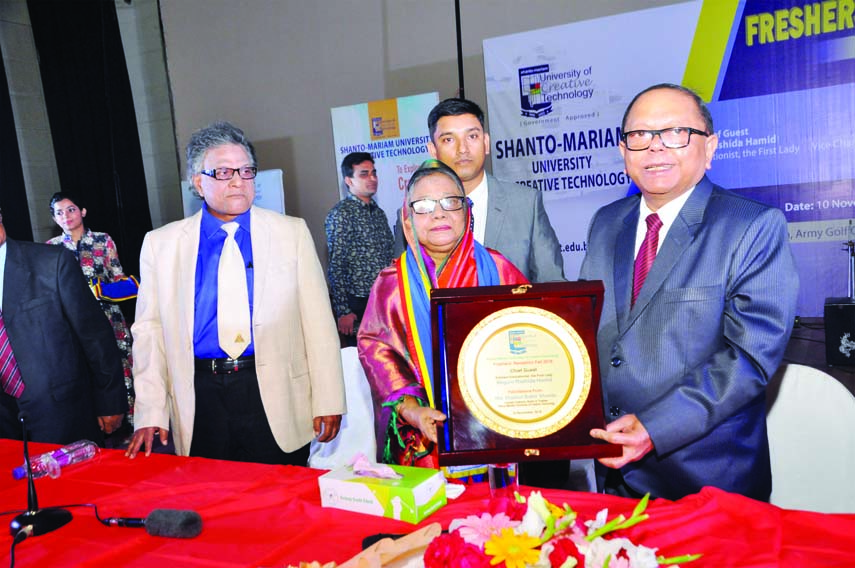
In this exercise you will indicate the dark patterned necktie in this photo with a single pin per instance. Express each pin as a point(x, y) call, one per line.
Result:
point(646, 254)
point(10, 375)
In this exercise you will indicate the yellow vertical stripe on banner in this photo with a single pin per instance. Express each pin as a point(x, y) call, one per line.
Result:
point(709, 45)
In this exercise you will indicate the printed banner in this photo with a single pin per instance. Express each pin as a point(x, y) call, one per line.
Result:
point(395, 132)
point(779, 76)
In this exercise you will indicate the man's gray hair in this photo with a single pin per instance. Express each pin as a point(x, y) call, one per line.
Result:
point(215, 134)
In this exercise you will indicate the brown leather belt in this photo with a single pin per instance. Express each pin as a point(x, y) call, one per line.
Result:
point(225, 366)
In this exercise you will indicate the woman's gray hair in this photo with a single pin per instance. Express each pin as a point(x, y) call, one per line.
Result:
point(216, 134)
point(429, 168)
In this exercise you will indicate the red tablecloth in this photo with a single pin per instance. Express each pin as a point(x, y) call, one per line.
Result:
point(259, 515)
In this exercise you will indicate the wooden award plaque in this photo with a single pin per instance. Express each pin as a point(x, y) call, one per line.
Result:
point(517, 374)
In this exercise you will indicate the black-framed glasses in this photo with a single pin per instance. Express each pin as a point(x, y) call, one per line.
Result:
point(673, 138)
point(225, 174)
point(425, 206)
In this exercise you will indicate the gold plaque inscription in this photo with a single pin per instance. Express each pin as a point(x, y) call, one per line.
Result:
point(524, 372)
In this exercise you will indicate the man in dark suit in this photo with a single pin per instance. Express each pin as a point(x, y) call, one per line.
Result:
point(509, 218)
point(65, 370)
point(700, 301)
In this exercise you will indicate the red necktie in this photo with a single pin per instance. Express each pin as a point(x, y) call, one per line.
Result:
point(646, 254)
point(10, 375)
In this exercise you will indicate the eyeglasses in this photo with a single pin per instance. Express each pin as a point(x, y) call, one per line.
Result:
point(225, 174)
point(673, 138)
point(424, 206)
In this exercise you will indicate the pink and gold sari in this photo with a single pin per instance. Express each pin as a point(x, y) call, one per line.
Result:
point(395, 335)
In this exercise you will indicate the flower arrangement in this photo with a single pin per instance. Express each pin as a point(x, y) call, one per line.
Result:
point(535, 533)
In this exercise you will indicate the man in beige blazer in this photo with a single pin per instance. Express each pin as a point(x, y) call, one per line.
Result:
point(266, 401)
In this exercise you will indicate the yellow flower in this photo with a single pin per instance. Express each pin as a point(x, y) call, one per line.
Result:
point(516, 550)
point(554, 510)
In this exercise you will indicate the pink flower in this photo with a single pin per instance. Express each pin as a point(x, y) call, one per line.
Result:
point(449, 549)
point(478, 530)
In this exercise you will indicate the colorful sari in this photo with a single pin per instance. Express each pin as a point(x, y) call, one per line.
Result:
point(394, 340)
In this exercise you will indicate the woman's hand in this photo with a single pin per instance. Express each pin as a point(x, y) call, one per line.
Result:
point(422, 417)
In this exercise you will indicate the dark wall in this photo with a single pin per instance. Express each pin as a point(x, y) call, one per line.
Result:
point(13, 195)
point(92, 120)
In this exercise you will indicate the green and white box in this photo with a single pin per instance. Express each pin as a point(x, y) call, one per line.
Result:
point(412, 497)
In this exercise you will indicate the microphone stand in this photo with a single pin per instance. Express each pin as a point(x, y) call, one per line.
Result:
point(36, 521)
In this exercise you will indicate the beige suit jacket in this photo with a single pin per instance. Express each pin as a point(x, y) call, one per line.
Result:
point(296, 345)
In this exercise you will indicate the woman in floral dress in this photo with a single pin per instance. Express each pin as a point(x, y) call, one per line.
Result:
point(98, 258)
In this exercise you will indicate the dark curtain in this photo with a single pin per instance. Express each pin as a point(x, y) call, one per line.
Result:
point(92, 121)
point(13, 195)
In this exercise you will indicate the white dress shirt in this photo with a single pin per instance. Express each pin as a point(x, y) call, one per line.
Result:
point(667, 214)
point(479, 209)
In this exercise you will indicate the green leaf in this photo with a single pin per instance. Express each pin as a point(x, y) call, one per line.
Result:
point(606, 528)
point(634, 520)
point(678, 559)
point(642, 505)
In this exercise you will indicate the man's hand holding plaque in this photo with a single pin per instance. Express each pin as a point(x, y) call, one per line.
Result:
point(629, 433)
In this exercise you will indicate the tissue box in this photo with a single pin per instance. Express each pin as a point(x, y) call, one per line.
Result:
point(418, 493)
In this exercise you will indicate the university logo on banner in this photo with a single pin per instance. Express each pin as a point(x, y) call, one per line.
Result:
point(533, 103)
point(394, 132)
point(384, 119)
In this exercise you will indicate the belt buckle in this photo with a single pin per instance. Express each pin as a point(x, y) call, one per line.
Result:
point(235, 366)
point(213, 366)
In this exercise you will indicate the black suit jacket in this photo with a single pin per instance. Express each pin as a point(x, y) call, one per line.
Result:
point(64, 346)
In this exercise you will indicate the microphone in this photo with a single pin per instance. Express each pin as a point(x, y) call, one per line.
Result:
point(35, 521)
point(173, 523)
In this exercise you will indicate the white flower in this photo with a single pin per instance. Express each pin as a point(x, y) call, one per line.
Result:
point(600, 521)
point(536, 514)
point(531, 524)
point(597, 551)
point(543, 560)
point(538, 503)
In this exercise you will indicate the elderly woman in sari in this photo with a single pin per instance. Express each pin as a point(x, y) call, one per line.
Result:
point(395, 336)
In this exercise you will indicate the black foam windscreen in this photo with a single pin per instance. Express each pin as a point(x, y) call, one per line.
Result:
point(173, 523)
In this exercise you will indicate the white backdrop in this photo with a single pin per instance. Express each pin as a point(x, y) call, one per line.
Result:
point(395, 132)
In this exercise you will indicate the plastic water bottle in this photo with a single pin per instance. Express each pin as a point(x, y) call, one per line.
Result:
point(51, 463)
